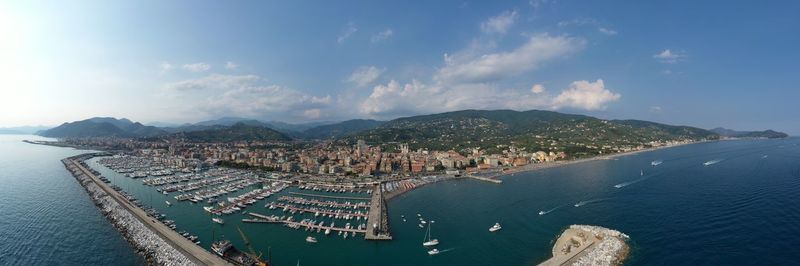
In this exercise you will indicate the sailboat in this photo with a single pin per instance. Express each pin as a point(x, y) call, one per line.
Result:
point(428, 241)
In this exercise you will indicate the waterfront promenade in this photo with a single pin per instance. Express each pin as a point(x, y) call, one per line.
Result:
point(194, 252)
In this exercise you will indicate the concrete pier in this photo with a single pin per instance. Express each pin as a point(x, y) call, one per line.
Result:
point(378, 221)
point(487, 179)
point(330, 213)
point(268, 219)
point(195, 253)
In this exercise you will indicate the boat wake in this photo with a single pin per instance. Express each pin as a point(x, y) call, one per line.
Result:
point(550, 210)
point(621, 185)
point(712, 162)
point(587, 202)
point(446, 250)
point(625, 184)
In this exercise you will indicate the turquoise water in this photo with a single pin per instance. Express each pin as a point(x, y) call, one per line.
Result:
point(741, 210)
point(46, 218)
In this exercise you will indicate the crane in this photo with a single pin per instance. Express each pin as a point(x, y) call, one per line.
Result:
point(252, 252)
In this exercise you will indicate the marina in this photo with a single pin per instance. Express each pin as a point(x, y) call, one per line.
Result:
point(286, 233)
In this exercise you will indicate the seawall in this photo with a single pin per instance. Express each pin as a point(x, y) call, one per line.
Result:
point(158, 244)
point(589, 245)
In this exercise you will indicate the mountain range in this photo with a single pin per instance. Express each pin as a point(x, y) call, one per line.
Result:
point(535, 129)
point(458, 129)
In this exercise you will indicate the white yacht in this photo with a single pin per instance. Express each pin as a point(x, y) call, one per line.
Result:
point(428, 241)
point(218, 220)
point(495, 227)
point(311, 239)
point(433, 251)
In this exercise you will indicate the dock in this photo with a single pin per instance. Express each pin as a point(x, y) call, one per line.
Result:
point(326, 196)
point(330, 213)
point(197, 254)
point(487, 179)
point(378, 221)
point(267, 219)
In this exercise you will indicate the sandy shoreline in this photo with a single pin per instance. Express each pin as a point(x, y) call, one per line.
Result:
point(540, 166)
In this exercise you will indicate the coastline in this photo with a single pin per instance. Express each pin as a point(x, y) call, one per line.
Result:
point(159, 246)
point(540, 166)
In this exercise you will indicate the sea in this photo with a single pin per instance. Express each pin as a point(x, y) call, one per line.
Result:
point(714, 203)
point(46, 217)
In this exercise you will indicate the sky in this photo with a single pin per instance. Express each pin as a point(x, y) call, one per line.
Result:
point(700, 63)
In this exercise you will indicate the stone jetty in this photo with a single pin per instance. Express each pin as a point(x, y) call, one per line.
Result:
point(158, 248)
point(589, 245)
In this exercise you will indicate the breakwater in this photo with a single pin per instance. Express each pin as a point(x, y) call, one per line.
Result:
point(153, 240)
point(589, 245)
point(144, 242)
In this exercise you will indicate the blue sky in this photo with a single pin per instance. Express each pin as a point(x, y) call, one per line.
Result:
point(699, 63)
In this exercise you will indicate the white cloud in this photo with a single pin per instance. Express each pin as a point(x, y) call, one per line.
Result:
point(577, 22)
point(364, 75)
point(263, 101)
point(165, 67)
point(347, 32)
point(585, 95)
point(212, 82)
point(396, 99)
point(500, 23)
point(315, 113)
point(537, 88)
point(537, 50)
point(382, 36)
point(606, 31)
point(537, 3)
point(655, 109)
point(669, 57)
point(197, 67)
point(231, 65)
point(588, 22)
point(247, 96)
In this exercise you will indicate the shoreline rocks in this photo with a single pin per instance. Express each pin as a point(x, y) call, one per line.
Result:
point(144, 241)
point(589, 245)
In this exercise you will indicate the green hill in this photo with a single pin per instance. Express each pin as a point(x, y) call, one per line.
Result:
point(341, 129)
point(236, 132)
point(533, 130)
point(749, 134)
point(102, 127)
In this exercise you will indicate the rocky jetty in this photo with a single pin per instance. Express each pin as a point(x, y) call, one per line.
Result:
point(143, 240)
point(589, 245)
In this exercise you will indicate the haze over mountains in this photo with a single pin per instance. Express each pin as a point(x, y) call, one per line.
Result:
point(748, 134)
point(443, 129)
